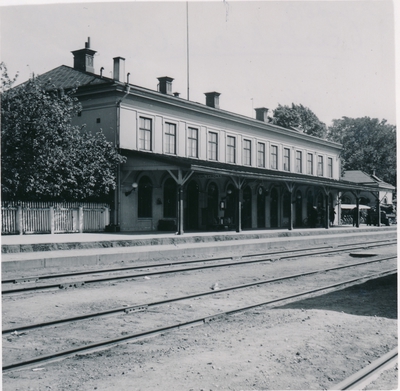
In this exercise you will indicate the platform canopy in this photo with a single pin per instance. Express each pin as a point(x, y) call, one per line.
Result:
point(156, 161)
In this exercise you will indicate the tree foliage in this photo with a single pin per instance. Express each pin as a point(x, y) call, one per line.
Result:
point(368, 145)
point(301, 118)
point(45, 157)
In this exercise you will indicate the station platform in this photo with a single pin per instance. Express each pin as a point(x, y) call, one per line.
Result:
point(24, 252)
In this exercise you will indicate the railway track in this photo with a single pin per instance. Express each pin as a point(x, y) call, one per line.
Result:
point(206, 264)
point(149, 319)
point(197, 321)
point(145, 306)
point(365, 376)
point(191, 323)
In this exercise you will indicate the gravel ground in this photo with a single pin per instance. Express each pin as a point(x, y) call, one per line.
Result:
point(312, 344)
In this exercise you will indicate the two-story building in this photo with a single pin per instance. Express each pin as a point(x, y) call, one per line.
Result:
point(193, 166)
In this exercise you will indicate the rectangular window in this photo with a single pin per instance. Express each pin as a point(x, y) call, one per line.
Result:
point(299, 161)
point(274, 157)
point(261, 155)
point(230, 149)
point(320, 168)
point(310, 164)
point(170, 138)
point(145, 130)
point(286, 159)
point(193, 142)
point(330, 167)
point(212, 146)
point(247, 152)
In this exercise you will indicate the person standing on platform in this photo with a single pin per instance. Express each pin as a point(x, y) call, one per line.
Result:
point(354, 214)
point(332, 215)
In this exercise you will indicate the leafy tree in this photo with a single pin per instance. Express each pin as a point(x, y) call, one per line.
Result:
point(301, 118)
point(45, 157)
point(368, 145)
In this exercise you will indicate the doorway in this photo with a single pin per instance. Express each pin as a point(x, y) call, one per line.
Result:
point(274, 208)
point(261, 207)
point(246, 208)
point(212, 205)
point(192, 206)
point(299, 209)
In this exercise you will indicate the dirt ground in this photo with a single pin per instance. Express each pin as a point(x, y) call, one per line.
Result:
point(311, 344)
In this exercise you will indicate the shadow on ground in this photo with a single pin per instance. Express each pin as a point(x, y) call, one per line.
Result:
point(373, 298)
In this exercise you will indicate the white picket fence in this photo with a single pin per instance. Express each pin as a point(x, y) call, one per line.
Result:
point(53, 217)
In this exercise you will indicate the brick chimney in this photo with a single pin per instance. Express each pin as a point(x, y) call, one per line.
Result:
point(212, 99)
point(119, 69)
point(262, 114)
point(165, 85)
point(84, 58)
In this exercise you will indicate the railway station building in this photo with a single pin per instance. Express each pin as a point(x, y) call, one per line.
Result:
point(193, 166)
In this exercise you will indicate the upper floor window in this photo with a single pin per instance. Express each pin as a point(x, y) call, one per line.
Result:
point(310, 164)
point(212, 146)
point(330, 167)
point(274, 157)
point(170, 138)
point(247, 152)
point(230, 149)
point(320, 168)
point(299, 161)
point(286, 159)
point(193, 142)
point(145, 133)
point(261, 155)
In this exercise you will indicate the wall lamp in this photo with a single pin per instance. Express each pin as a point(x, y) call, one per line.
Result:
point(134, 187)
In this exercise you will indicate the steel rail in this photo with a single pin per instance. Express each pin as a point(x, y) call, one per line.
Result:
point(360, 379)
point(76, 284)
point(142, 306)
point(378, 243)
point(62, 275)
point(107, 343)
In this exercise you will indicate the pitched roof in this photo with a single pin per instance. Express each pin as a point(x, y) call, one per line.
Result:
point(357, 176)
point(361, 177)
point(67, 77)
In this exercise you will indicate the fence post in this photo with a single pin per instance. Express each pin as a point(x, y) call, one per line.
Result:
point(20, 228)
point(51, 218)
point(80, 219)
point(106, 216)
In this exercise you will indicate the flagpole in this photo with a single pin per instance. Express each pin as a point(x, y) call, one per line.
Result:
point(187, 46)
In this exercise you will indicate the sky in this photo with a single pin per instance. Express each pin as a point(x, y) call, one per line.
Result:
point(335, 57)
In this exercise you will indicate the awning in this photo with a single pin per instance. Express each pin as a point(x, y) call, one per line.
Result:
point(162, 162)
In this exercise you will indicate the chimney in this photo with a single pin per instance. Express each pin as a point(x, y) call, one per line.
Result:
point(165, 85)
point(262, 114)
point(83, 58)
point(119, 69)
point(212, 99)
point(176, 94)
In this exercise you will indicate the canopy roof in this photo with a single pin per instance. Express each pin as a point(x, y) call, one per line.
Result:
point(154, 161)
